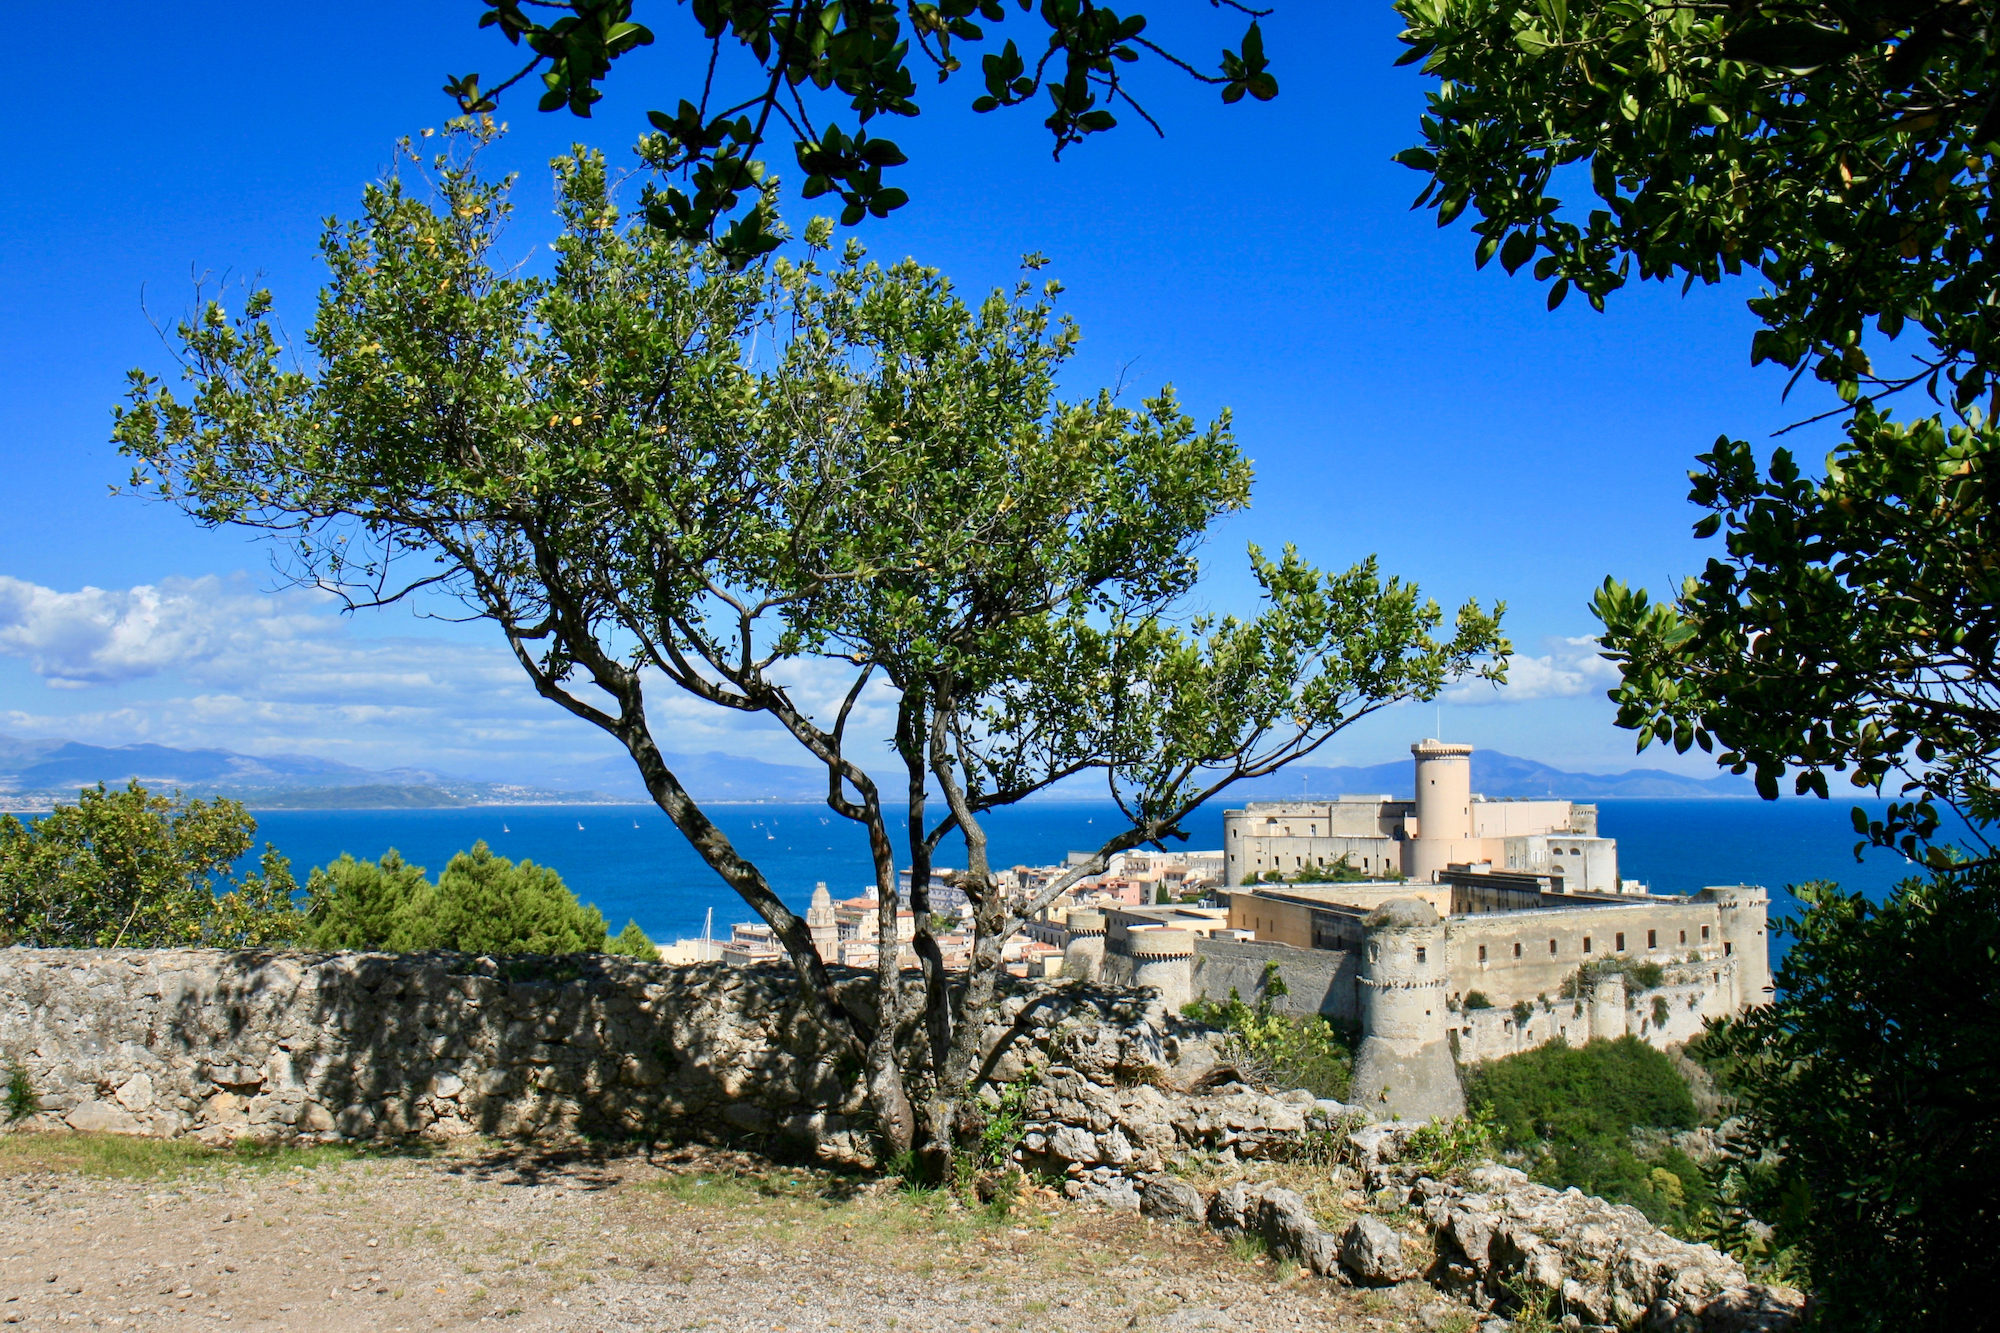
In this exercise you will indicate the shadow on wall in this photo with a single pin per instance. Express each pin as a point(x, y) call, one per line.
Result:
point(223, 1045)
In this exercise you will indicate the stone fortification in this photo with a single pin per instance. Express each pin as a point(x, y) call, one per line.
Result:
point(1404, 1063)
point(228, 1044)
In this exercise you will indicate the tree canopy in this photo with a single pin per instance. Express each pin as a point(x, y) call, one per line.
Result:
point(789, 68)
point(1842, 152)
point(1844, 155)
point(829, 493)
point(130, 868)
point(481, 903)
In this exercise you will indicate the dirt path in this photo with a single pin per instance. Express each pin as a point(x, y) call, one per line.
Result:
point(132, 1235)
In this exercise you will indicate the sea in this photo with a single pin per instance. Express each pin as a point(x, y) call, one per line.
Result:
point(634, 865)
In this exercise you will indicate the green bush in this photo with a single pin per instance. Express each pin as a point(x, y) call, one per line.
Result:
point(130, 868)
point(1572, 1111)
point(482, 903)
point(1277, 1049)
point(1477, 999)
point(632, 943)
point(354, 904)
point(1869, 1083)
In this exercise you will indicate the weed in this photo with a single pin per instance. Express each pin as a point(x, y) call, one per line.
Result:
point(1536, 1306)
point(1247, 1247)
point(140, 1158)
point(20, 1095)
point(1440, 1147)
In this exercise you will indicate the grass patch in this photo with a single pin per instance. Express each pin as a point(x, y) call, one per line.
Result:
point(129, 1157)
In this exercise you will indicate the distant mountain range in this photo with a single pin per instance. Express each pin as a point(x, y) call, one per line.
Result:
point(37, 772)
point(1497, 775)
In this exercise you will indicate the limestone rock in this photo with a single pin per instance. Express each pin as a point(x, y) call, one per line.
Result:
point(1611, 1266)
point(1372, 1252)
point(1171, 1200)
point(95, 1117)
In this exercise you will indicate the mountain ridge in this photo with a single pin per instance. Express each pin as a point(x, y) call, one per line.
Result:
point(37, 771)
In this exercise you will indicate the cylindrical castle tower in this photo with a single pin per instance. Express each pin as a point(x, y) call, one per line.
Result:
point(1404, 1065)
point(1444, 808)
point(1743, 917)
point(1608, 1017)
point(1163, 959)
point(1083, 956)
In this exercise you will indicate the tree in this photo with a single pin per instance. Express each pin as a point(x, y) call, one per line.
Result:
point(823, 493)
point(633, 943)
point(1845, 154)
point(1841, 151)
point(482, 903)
point(129, 868)
point(1850, 629)
point(1870, 1078)
point(807, 53)
point(353, 904)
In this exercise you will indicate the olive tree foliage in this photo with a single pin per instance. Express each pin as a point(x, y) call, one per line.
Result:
point(130, 868)
point(770, 485)
point(791, 68)
point(1842, 155)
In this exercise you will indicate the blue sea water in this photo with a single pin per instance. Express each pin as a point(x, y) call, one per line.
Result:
point(634, 865)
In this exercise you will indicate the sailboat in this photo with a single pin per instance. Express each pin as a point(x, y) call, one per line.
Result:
point(635, 823)
point(579, 826)
point(504, 828)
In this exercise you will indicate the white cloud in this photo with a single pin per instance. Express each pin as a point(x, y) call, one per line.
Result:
point(1571, 668)
point(213, 662)
point(103, 636)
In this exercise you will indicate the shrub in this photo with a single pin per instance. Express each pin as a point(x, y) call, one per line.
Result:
point(1277, 1049)
point(482, 903)
point(1523, 1011)
point(1477, 999)
point(633, 943)
point(130, 868)
point(1573, 1109)
point(1869, 1083)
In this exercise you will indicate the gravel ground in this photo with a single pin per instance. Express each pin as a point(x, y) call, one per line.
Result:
point(155, 1237)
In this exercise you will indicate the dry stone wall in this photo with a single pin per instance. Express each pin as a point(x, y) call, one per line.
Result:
point(223, 1045)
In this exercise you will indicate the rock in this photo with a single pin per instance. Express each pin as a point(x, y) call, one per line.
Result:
point(95, 1117)
point(1611, 1266)
point(1171, 1200)
point(136, 1093)
point(1372, 1252)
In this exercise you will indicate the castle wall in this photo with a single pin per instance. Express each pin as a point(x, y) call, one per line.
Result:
point(1530, 954)
point(1317, 981)
point(1670, 1015)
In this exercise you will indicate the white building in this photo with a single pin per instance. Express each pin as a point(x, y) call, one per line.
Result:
point(1446, 825)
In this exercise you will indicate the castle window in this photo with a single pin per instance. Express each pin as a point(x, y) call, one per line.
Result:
point(1619, 945)
point(1652, 939)
point(1586, 944)
point(1704, 934)
point(1420, 953)
point(1727, 948)
point(1482, 953)
point(1517, 950)
point(1684, 937)
point(1552, 947)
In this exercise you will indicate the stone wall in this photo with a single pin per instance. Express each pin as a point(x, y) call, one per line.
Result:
point(226, 1044)
point(1317, 981)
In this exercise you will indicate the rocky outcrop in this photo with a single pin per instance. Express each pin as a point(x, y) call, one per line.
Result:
point(1602, 1262)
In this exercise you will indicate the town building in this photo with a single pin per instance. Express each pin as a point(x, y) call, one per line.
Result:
point(1381, 837)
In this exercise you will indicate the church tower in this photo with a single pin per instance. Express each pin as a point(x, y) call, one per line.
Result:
point(825, 927)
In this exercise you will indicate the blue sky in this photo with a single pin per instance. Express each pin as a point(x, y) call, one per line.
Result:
point(1261, 257)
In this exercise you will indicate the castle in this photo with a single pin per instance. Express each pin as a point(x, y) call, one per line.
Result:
point(1444, 930)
